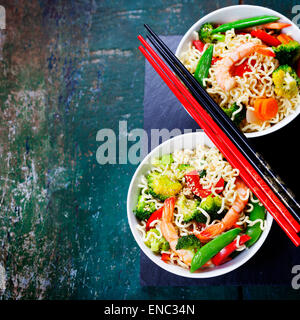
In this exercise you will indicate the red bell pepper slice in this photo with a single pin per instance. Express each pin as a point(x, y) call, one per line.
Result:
point(219, 185)
point(193, 182)
point(154, 216)
point(242, 68)
point(223, 255)
point(198, 45)
point(265, 37)
point(165, 257)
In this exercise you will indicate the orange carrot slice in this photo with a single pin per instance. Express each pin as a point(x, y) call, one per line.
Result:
point(284, 38)
point(266, 109)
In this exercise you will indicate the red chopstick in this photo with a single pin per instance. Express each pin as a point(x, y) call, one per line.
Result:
point(225, 147)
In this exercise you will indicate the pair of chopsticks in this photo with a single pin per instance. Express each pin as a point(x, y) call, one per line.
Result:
point(221, 133)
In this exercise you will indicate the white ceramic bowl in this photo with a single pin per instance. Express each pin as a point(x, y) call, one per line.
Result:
point(185, 141)
point(232, 13)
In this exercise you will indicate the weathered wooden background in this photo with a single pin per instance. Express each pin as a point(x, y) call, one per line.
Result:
point(70, 68)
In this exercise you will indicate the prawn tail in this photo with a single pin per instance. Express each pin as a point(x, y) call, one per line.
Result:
point(186, 256)
point(210, 232)
point(266, 51)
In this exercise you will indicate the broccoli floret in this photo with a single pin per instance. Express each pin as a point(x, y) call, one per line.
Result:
point(162, 186)
point(189, 242)
point(286, 81)
point(156, 243)
point(287, 53)
point(217, 203)
point(238, 117)
point(205, 34)
point(143, 209)
point(189, 208)
point(211, 205)
point(164, 160)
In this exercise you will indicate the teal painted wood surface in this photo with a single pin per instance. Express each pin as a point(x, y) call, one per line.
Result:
point(69, 69)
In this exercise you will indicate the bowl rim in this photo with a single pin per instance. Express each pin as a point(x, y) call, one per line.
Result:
point(196, 25)
point(179, 271)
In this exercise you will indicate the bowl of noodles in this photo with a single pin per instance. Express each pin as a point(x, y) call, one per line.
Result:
point(180, 206)
point(253, 74)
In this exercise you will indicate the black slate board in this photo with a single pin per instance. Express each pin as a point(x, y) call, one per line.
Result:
point(273, 263)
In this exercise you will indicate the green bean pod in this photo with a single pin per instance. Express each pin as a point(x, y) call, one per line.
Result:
point(245, 23)
point(210, 249)
point(204, 64)
point(258, 212)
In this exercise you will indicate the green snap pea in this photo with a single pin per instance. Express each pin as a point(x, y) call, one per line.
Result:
point(245, 23)
point(218, 37)
point(212, 248)
point(255, 231)
point(204, 64)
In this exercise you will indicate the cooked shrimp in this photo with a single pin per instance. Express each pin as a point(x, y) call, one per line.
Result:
point(223, 76)
point(231, 217)
point(170, 233)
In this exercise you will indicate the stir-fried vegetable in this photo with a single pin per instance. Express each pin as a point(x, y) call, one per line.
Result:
point(265, 37)
point(245, 23)
point(223, 255)
point(162, 186)
point(287, 53)
point(188, 208)
point(165, 257)
point(236, 117)
point(144, 209)
point(265, 108)
point(212, 248)
point(211, 204)
point(156, 244)
point(255, 231)
point(284, 38)
point(240, 69)
point(156, 215)
point(193, 182)
point(199, 45)
point(286, 81)
point(203, 65)
point(206, 36)
point(189, 242)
